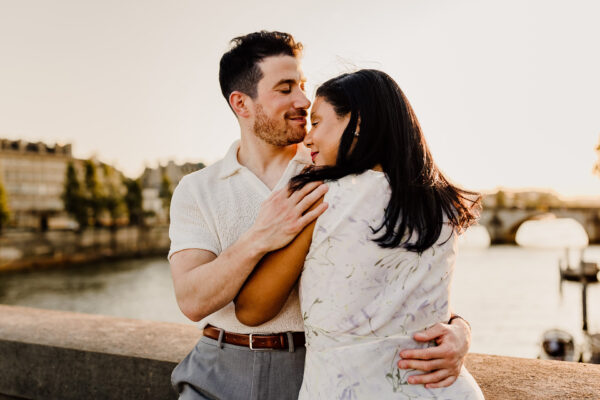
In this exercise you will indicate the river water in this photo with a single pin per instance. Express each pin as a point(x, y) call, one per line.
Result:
point(509, 294)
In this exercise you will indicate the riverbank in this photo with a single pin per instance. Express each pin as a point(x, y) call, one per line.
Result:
point(25, 250)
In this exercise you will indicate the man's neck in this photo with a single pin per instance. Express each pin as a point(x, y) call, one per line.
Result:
point(266, 161)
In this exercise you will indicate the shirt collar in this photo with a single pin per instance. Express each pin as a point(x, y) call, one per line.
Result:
point(232, 166)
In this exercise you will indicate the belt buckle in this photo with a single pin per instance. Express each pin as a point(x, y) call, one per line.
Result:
point(250, 339)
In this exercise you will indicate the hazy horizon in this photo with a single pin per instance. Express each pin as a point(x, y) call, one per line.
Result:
point(506, 93)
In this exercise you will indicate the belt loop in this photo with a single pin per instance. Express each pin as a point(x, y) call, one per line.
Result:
point(290, 338)
point(220, 341)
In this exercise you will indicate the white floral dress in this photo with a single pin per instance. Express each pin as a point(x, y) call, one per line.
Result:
point(362, 303)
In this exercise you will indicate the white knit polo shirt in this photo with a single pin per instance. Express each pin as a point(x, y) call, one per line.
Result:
point(211, 208)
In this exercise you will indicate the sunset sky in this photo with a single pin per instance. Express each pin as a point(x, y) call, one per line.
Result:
point(507, 92)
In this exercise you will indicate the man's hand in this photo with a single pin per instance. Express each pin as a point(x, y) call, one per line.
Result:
point(443, 362)
point(283, 215)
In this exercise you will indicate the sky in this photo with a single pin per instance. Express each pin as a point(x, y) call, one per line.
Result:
point(507, 92)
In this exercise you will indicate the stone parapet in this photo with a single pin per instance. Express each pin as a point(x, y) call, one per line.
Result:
point(62, 355)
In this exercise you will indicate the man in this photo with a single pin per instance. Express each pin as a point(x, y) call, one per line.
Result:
point(225, 217)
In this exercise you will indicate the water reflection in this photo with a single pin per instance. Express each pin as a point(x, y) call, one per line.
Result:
point(552, 233)
point(133, 289)
point(476, 237)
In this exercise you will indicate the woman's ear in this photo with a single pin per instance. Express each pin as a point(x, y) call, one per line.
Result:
point(357, 130)
point(239, 104)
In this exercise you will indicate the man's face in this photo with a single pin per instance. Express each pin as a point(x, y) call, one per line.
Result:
point(280, 107)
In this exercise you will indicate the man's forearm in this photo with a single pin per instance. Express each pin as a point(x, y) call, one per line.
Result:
point(209, 287)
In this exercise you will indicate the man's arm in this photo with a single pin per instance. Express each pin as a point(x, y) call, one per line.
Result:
point(443, 362)
point(205, 283)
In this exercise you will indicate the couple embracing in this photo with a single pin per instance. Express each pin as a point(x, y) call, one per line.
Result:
point(319, 270)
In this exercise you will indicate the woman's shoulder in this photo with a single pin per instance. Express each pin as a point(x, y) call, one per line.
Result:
point(366, 179)
point(369, 189)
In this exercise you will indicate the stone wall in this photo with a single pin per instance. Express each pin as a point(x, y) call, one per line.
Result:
point(63, 355)
point(22, 249)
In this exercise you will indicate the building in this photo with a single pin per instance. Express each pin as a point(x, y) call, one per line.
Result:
point(33, 175)
point(151, 181)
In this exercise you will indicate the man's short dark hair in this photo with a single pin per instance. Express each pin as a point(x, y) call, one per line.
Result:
point(239, 70)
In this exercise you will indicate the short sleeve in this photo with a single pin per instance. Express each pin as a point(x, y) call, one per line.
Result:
point(189, 227)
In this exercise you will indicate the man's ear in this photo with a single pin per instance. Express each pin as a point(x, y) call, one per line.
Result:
point(239, 104)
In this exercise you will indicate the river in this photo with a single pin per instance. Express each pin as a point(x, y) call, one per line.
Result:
point(509, 294)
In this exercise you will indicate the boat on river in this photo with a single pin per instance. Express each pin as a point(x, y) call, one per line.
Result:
point(560, 345)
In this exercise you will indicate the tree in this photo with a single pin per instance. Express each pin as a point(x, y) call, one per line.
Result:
point(112, 199)
point(73, 197)
point(4, 211)
point(133, 201)
point(94, 196)
point(165, 192)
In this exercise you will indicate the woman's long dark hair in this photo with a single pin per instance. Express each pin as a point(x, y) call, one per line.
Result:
point(390, 136)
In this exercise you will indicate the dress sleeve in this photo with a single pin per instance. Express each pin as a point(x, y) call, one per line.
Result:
point(189, 228)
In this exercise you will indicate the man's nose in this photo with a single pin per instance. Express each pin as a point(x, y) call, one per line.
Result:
point(302, 101)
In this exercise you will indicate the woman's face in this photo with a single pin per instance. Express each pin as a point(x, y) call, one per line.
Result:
point(324, 137)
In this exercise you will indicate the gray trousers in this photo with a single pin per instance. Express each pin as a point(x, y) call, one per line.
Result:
point(237, 373)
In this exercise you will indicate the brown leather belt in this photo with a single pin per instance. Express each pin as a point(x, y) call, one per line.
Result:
point(255, 341)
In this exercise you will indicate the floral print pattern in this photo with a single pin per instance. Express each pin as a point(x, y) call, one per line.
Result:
point(361, 303)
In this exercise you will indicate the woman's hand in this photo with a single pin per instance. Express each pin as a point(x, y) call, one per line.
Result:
point(443, 362)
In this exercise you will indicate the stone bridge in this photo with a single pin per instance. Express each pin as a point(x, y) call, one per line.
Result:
point(503, 223)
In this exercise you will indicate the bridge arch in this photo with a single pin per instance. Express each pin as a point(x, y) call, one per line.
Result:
point(534, 216)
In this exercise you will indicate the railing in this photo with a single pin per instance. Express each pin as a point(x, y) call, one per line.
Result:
point(62, 355)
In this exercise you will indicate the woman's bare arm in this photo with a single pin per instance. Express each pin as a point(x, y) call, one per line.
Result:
point(267, 288)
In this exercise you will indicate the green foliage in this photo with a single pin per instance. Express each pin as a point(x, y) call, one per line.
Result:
point(74, 198)
point(165, 192)
point(4, 211)
point(93, 191)
point(87, 201)
point(112, 198)
point(133, 201)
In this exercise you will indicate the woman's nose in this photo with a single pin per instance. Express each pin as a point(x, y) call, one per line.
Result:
point(308, 139)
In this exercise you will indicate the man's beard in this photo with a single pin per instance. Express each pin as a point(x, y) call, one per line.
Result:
point(277, 133)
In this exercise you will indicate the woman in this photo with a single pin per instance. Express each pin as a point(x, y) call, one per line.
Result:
point(377, 265)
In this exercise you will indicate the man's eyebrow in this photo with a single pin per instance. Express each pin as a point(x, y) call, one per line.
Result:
point(289, 81)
